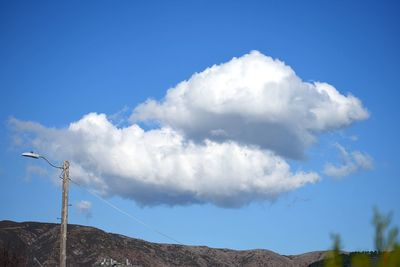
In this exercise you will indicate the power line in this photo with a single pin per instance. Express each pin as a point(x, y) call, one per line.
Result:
point(125, 213)
point(38, 262)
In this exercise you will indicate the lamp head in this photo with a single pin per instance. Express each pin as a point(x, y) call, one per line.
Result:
point(31, 155)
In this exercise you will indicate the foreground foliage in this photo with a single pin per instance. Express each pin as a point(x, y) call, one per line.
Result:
point(387, 253)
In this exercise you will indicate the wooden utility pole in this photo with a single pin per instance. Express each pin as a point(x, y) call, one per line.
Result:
point(64, 216)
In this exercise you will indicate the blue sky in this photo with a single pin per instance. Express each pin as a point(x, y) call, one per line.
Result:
point(62, 61)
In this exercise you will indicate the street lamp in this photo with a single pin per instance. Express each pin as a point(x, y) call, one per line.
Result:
point(64, 210)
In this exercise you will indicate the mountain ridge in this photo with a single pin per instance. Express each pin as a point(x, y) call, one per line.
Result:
point(31, 243)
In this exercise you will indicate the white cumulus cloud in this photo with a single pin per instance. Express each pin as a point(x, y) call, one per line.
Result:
point(350, 163)
point(224, 137)
point(253, 99)
point(161, 167)
point(84, 207)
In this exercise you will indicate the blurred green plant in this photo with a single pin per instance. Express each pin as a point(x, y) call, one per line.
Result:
point(334, 258)
point(387, 248)
point(382, 223)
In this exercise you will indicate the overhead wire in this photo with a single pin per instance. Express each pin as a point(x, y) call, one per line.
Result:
point(124, 212)
point(112, 205)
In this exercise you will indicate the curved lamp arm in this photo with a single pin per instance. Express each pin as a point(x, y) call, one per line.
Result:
point(37, 156)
